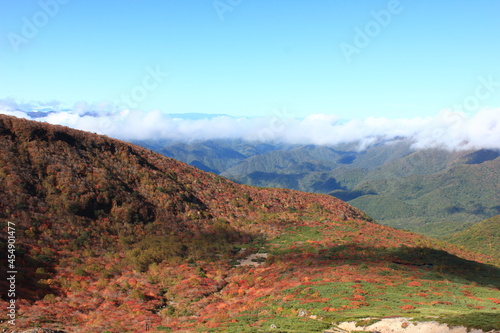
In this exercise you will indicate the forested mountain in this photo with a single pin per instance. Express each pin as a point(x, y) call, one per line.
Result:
point(112, 237)
point(482, 237)
point(433, 191)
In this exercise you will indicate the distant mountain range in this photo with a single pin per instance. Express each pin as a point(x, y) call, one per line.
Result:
point(113, 237)
point(432, 191)
point(44, 111)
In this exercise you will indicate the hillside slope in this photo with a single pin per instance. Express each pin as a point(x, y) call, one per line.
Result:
point(58, 172)
point(113, 237)
point(482, 237)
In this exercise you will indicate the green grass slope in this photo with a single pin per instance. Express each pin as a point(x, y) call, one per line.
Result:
point(482, 237)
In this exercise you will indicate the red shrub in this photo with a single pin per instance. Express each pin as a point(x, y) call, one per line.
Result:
point(407, 307)
point(414, 284)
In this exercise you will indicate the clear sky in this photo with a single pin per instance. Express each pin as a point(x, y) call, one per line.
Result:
point(353, 59)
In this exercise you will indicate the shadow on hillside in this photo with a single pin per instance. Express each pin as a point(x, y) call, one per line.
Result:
point(348, 195)
point(445, 265)
point(438, 264)
point(28, 280)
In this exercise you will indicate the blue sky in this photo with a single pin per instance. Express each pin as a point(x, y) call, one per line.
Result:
point(250, 57)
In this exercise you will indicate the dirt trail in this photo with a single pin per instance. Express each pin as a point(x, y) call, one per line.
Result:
point(253, 259)
point(404, 325)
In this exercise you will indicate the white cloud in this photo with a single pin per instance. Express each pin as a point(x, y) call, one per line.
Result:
point(448, 129)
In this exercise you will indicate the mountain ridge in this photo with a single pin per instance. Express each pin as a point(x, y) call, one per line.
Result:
point(110, 147)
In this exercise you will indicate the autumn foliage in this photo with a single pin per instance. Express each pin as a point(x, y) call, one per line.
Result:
point(113, 237)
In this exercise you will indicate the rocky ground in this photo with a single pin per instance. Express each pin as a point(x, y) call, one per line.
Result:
point(405, 325)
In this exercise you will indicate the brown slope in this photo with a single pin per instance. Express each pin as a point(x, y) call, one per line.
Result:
point(54, 173)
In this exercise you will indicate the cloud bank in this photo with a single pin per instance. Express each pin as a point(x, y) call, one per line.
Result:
point(449, 129)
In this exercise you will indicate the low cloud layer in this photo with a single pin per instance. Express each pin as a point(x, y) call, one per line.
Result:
point(449, 129)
